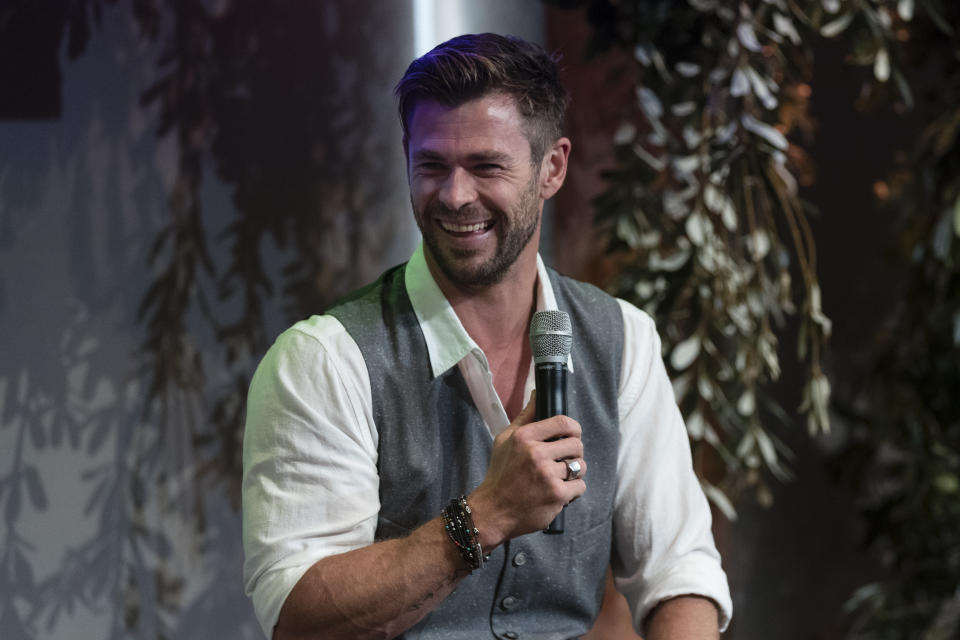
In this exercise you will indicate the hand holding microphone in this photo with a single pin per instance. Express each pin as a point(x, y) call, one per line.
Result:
point(537, 462)
point(551, 339)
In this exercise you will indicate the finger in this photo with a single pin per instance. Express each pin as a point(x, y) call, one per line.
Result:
point(563, 449)
point(552, 428)
point(573, 489)
point(573, 468)
point(527, 414)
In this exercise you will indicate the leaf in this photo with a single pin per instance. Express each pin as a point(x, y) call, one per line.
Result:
point(905, 9)
point(759, 244)
point(904, 88)
point(672, 262)
point(695, 426)
point(719, 202)
point(765, 131)
point(96, 496)
point(956, 216)
point(35, 489)
point(650, 103)
point(13, 502)
point(784, 26)
point(98, 437)
point(642, 56)
point(22, 572)
point(938, 19)
point(625, 134)
point(685, 353)
point(739, 84)
point(687, 69)
point(942, 234)
point(747, 404)
point(705, 387)
point(683, 109)
point(696, 228)
point(836, 27)
point(767, 450)
point(748, 37)
point(761, 90)
point(720, 499)
point(881, 66)
point(946, 483)
point(627, 231)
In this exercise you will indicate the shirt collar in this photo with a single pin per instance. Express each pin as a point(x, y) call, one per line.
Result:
point(447, 341)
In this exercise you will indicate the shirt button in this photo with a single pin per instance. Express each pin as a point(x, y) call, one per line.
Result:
point(509, 602)
point(520, 559)
point(512, 635)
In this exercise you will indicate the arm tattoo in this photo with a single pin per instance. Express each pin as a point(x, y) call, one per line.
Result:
point(431, 594)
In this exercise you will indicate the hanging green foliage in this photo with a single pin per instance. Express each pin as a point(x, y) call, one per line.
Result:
point(702, 208)
point(704, 211)
point(904, 451)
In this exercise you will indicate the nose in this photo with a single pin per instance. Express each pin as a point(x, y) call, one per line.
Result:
point(458, 189)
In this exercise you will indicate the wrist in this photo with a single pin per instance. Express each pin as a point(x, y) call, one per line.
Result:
point(458, 523)
point(488, 520)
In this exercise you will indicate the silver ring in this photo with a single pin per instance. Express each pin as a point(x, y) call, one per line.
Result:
point(574, 469)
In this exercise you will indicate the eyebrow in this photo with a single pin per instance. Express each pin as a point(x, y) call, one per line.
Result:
point(481, 156)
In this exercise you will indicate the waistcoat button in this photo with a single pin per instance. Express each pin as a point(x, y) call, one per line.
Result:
point(509, 602)
point(512, 635)
point(520, 559)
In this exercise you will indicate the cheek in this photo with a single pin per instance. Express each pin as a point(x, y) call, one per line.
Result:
point(419, 193)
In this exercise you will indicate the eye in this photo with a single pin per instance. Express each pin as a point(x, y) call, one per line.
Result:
point(431, 166)
point(488, 167)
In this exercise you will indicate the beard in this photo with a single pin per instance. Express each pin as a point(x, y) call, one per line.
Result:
point(514, 231)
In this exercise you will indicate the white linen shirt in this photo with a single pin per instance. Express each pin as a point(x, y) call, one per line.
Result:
point(310, 483)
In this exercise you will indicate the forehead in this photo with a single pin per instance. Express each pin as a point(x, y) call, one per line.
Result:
point(489, 123)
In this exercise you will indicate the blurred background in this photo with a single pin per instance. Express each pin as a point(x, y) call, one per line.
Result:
point(777, 183)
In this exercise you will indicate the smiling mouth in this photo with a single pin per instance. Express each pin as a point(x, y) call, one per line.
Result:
point(454, 227)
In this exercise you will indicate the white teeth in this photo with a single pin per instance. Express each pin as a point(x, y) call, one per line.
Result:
point(463, 228)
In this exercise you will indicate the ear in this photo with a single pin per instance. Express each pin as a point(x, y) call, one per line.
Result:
point(553, 167)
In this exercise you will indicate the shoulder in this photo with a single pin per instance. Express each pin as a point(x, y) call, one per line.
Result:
point(637, 320)
point(641, 349)
point(312, 381)
point(639, 330)
point(317, 336)
point(316, 351)
point(584, 290)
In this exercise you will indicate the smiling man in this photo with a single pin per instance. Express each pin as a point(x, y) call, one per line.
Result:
point(396, 483)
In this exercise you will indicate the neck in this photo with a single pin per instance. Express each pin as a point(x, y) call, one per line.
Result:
point(496, 316)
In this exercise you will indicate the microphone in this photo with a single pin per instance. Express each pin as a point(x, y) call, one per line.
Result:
point(551, 339)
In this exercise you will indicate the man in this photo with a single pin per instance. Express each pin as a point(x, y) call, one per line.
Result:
point(391, 446)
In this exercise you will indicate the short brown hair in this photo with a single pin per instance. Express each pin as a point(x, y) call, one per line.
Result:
point(471, 66)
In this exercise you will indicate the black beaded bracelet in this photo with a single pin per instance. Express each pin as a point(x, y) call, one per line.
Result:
point(459, 525)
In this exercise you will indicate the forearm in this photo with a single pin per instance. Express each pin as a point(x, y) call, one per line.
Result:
point(378, 591)
point(683, 618)
point(383, 589)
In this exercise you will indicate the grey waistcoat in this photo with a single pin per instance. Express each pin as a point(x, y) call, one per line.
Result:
point(434, 446)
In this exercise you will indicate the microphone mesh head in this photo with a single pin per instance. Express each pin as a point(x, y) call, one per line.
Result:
point(551, 337)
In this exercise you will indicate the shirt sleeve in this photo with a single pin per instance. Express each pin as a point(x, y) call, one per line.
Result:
point(310, 483)
point(663, 542)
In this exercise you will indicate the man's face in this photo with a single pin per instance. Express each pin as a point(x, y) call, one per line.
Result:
point(476, 197)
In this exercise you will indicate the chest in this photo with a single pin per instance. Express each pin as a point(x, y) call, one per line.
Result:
point(510, 369)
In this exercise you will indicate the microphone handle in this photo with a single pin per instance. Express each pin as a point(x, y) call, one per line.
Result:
point(551, 380)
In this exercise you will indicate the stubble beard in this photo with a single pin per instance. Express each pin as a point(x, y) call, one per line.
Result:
point(515, 234)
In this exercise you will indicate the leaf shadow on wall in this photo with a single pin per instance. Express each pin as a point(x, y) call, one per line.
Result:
point(286, 104)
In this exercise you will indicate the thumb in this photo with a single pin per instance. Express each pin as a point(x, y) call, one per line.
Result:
point(528, 412)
